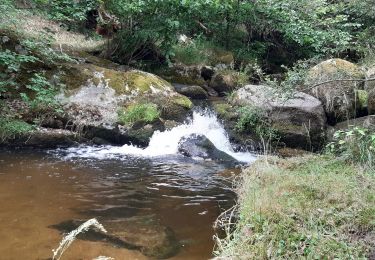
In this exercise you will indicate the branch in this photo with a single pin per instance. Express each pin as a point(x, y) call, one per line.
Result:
point(339, 80)
point(208, 31)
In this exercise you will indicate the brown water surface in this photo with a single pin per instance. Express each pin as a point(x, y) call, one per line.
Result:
point(39, 189)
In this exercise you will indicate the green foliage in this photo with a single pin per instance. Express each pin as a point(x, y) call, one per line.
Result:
point(248, 28)
point(67, 11)
point(356, 144)
point(11, 128)
point(252, 119)
point(301, 208)
point(192, 52)
point(146, 112)
point(43, 93)
point(294, 78)
point(10, 65)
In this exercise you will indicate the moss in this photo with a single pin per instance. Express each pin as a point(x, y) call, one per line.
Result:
point(362, 98)
point(182, 101)
point(333, 69)
point(224, 110)
point(76, 76)
point(220, 56)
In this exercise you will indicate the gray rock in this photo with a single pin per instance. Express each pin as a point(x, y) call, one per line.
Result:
point(338, 97)
point(200, 146)
point(194, 92)
point(47, 138)
point(300, 120)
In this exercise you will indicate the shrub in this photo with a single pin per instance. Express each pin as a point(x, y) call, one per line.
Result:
point(356, 144)
point(11, 128)
point(146, 112)
point(255, 119)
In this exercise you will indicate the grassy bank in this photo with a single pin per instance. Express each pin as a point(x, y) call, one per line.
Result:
point(314, 207)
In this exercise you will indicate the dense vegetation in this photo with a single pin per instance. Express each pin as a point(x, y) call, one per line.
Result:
point(308, 207)
point(311, 207)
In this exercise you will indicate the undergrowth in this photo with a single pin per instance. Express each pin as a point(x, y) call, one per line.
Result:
point(12, 128)
point(313, 207)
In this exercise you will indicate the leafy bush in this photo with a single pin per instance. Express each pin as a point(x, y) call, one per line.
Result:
point(356, 144)
point(11, 128)
point(67, 11)
point(146, 112)
point(254, 119)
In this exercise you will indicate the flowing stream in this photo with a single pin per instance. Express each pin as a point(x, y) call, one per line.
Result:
point(142, 196)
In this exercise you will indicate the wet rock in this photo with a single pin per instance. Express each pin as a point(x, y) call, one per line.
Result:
point(95, 95)
point(194, 92)
point(141, 233)
point(182, 74)
point(299, 120)
point(48, 138)
point(210, 91)
point(201, 147)
point(338, 97)
point(207, 72)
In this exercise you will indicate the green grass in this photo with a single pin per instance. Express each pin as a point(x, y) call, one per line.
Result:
point(314, 207)
point(200, 51)
point(146, 112)
point(11, 128)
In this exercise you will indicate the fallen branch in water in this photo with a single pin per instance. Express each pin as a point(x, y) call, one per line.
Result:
point(68, 239)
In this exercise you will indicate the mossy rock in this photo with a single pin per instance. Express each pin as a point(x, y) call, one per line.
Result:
point(124, 83)
point(225, 81)
point(182, 74)
point(220, 56)
point(338, 97)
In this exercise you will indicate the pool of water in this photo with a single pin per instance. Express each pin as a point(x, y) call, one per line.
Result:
point(39, 190)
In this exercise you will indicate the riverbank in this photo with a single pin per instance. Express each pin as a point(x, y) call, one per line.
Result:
point(303, 207)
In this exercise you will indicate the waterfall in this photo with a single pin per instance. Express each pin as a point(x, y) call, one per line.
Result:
point(166, 143)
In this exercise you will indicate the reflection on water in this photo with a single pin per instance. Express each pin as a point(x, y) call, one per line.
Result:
point(39, 191)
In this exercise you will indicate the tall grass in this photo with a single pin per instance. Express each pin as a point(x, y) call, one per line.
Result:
point(312, 207)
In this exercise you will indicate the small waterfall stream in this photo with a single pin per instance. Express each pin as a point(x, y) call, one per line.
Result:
point(166, 143)
point(138, 194)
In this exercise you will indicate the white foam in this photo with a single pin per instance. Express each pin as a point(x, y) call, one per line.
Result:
point(166, 143)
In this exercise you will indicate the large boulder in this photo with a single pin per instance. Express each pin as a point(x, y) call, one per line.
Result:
point(95, 97)
point(199, 146)
point(299, 120)
point(370, 88)
point(338, 97)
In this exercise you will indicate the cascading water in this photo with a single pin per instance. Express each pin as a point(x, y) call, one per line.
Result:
point(166, 143)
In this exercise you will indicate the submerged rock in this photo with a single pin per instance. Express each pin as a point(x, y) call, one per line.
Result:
point(200, 146)
point(338, 97)
point(140, 233)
